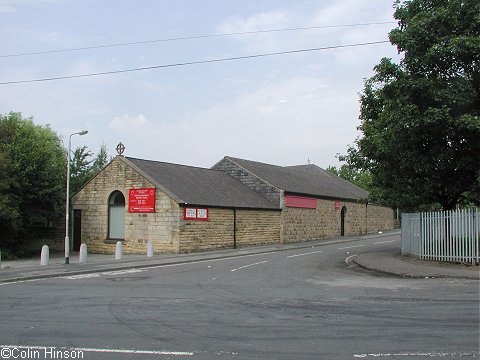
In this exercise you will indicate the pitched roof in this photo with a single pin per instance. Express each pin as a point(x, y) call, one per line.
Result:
point(303, 179)
point(199, 186)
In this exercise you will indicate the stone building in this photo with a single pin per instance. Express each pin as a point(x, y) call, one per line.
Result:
point(235, 203)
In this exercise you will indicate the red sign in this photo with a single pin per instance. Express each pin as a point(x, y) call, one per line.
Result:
point(141, 200)
point(195, 214)
point(300, 202)
point(337, 204)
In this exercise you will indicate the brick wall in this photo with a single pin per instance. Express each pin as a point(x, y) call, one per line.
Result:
point(161, 227)
point(270, 192)
point(258, 227)
point(380, 218)
point(253, 227)
point(216, 233)
point(325, 221)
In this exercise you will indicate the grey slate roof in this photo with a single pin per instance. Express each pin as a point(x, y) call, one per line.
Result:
point(199, 186)
point(303, 179)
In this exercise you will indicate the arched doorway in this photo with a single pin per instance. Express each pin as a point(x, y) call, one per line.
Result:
point(116, 216)
point(343, 215)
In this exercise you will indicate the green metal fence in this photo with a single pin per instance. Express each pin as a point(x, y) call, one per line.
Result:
point(450, 236)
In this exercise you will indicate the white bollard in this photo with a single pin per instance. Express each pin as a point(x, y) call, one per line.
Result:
point(150, 249)
point(118, 250)
point(45, 255)
point(82, 259)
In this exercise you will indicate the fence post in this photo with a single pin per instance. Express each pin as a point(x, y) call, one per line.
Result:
point(476, 221)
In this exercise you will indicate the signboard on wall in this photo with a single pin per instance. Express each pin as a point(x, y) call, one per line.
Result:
point(141, 200)
point(300, 202)
point(195, 214)
point(337, 204)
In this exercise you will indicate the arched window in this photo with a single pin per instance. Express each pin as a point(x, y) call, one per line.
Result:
point(116, 216)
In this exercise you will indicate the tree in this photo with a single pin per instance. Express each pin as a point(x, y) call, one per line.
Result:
point(420, 119)
point(101, 160)
point(82, 168)
point(32, 178)
point(352, 174)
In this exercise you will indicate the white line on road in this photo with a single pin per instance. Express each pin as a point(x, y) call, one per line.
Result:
point(107, 273)
point(350, 247)
point(208, 260)
point(384, 242)
point(123, 272)
point(309, 253)
point(418, 354)
point(61, 351)
point(246, 266)
point(81, 276)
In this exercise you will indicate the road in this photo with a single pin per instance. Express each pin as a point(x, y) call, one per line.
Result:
point(304, 303)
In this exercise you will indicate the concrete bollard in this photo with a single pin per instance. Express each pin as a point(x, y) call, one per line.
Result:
point(118, 250)
point(82, 259)
point(150, 249)
point(44, 255)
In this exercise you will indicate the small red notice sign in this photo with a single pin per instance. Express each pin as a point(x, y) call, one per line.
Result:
point(195, 214)
point(141, 200)
point(337, 204)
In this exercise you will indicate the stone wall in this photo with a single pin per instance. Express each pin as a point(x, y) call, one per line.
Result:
point(216, 233)
point(253, 182)
point(253, 227)
point(325, 221)
point(258, 227)
point(161, 227)
point(380, 218)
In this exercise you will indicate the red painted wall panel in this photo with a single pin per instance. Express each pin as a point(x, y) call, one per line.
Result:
point(300, 202)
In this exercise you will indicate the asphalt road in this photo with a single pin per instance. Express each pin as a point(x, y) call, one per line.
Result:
point(303, 303)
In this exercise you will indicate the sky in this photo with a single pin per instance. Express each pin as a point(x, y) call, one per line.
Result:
point(284, 109)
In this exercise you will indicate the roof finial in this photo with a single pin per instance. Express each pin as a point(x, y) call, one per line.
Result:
point(120, 148)
point(308, 161)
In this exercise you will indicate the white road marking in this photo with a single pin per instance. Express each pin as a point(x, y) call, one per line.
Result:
point(350, 247)
point(418, 354)
point(209, 260)
point(107, 273)
point(122, 272)
point(81, 276)
point(384, 242)
point(52, 350)
point(309, 253)
point(246, 266)
point(21, 281)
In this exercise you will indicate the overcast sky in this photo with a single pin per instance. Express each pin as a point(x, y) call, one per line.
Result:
point(282, 109)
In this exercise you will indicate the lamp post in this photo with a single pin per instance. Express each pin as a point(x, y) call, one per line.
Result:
point(67, 207)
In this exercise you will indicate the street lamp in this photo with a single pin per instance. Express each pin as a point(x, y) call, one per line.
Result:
point(67, 207)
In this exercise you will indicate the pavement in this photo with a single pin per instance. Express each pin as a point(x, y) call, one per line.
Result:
point(388, 261)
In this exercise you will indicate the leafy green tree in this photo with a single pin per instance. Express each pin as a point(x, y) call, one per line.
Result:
point(420, 119)
point(83, 167)
point(80, 165)
point(32, 181)
point(101, 160)
point(356, 176)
